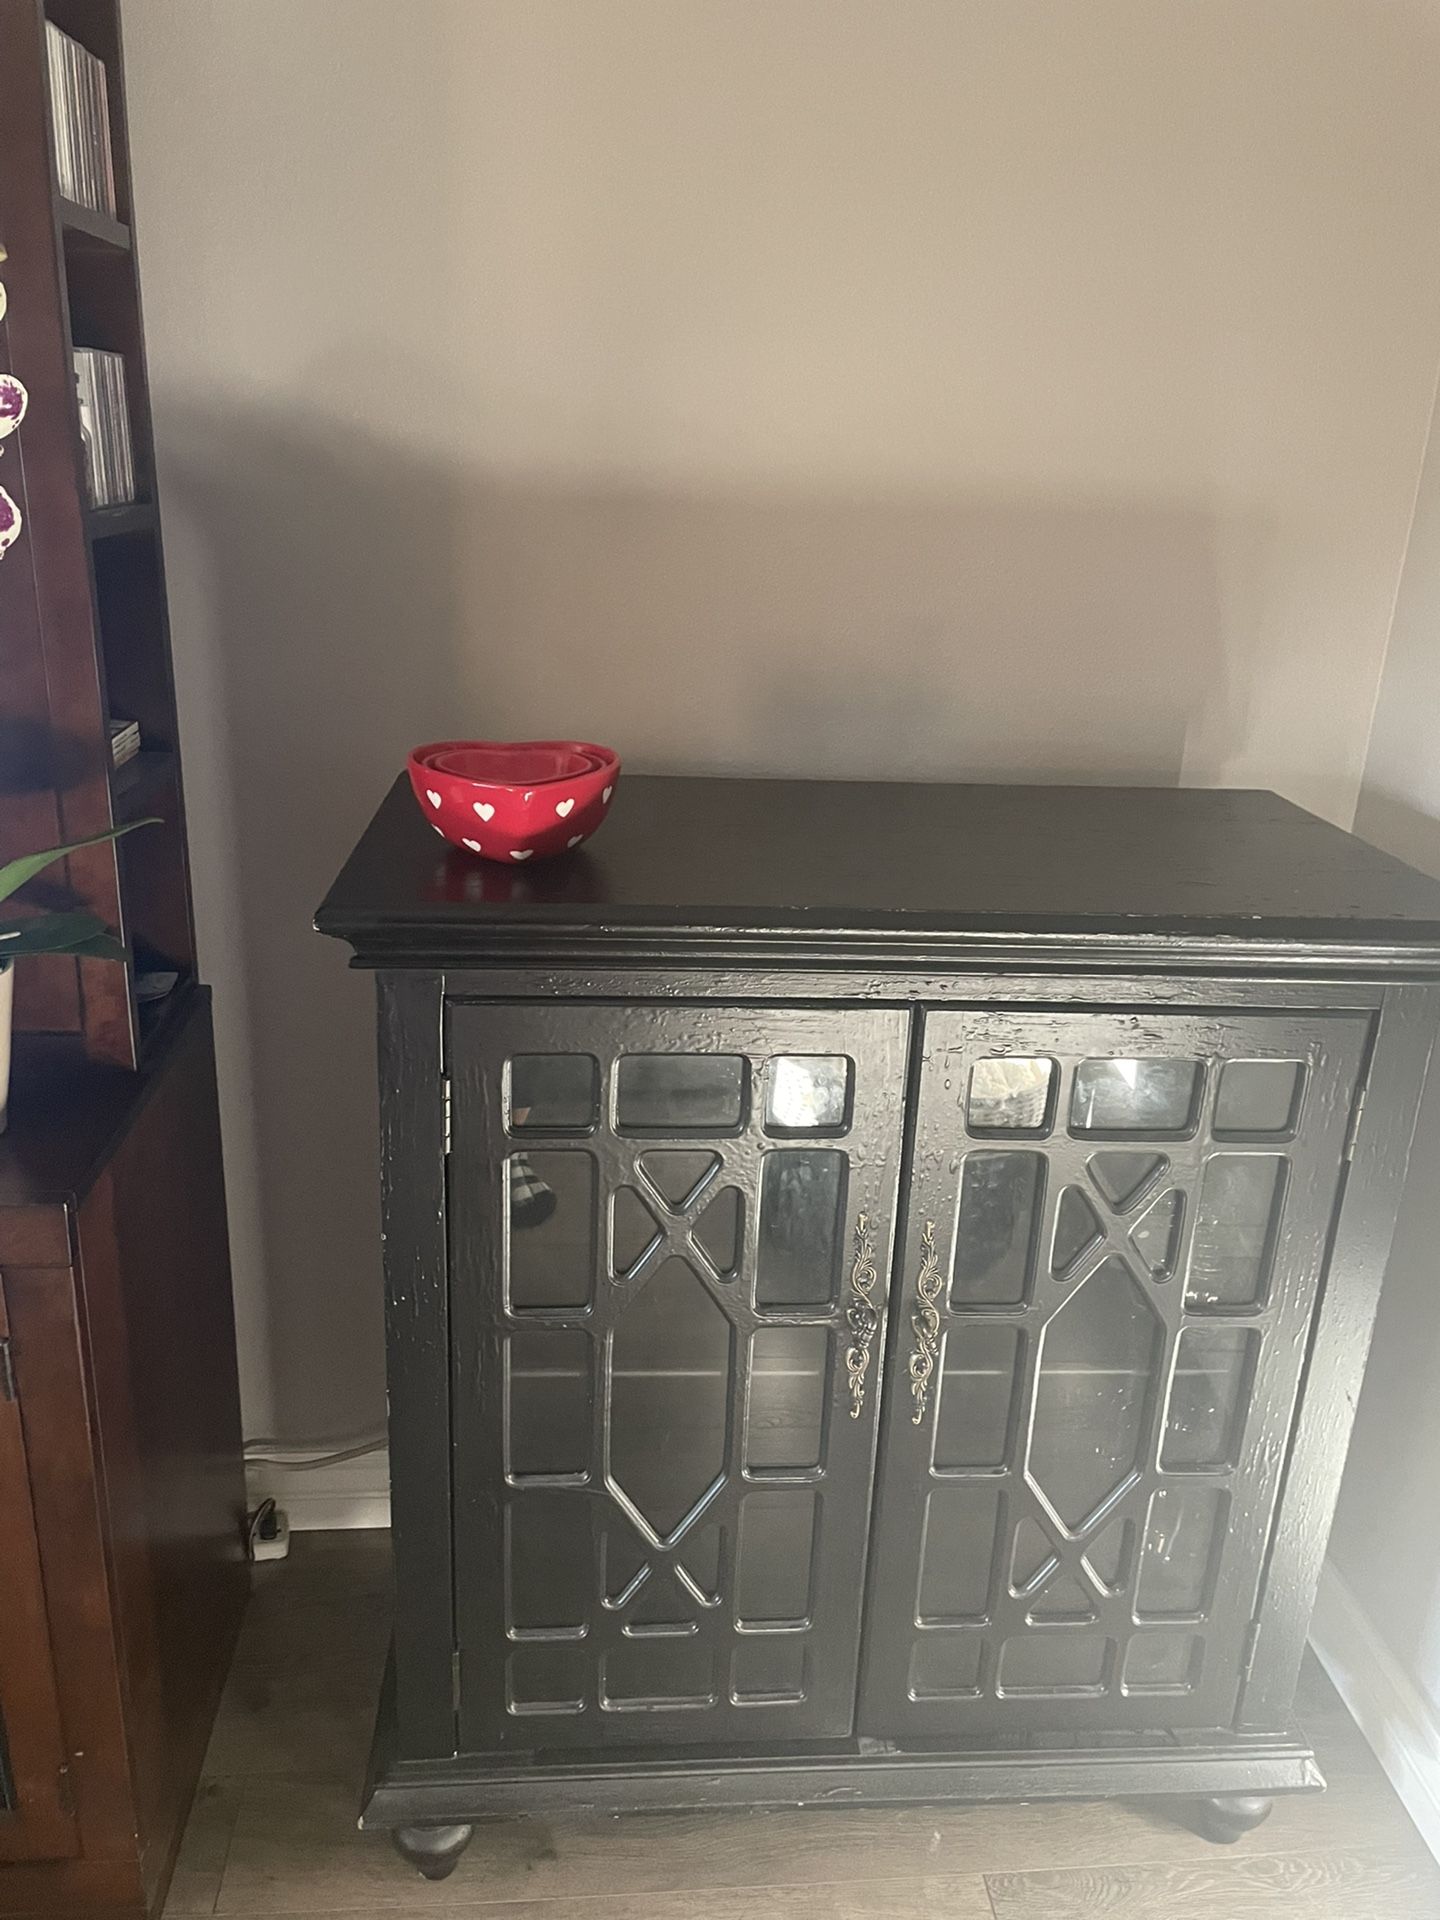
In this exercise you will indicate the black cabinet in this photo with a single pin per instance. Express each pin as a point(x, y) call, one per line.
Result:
point(879, 1328)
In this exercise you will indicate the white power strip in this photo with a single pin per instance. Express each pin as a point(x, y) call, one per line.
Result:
point(270, 1535)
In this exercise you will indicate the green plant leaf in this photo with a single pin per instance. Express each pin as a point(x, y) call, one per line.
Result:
point(17, 872)
point(104, 946)
point(51, 933)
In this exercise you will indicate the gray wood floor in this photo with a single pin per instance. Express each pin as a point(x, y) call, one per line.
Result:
point(273, 1832)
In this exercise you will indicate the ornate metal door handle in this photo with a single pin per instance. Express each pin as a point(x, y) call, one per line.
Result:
point(929, 1285)
point(862, 1314)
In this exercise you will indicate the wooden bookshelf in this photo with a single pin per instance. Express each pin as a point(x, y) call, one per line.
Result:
point(84, 629)
point(122, 1464)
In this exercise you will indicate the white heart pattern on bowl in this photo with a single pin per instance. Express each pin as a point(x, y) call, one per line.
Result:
point(562, 807)
point(432, 796)
point(575, 841)
point(521, 853)
point(484, 809)
point(607, 793)
point(474, 845)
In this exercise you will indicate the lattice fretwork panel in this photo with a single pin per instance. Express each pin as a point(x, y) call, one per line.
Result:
point(1117, 1230)
point(670, 1228)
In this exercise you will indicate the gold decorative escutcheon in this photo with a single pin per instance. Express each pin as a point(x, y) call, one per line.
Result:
point(926, 1322)
point(861, 1315)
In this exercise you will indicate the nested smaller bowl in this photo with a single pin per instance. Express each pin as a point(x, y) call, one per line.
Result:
point(514, 800)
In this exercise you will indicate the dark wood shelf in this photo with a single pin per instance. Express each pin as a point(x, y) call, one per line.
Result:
point(91, 228)
point(136, 787)
point(136, 516)
point(66, 1110)
point(158, 1018)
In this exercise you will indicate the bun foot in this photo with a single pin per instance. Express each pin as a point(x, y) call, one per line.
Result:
point(1227, 1816)
point(434, 1851)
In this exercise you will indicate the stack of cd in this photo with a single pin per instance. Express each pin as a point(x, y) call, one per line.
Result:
point(80, 123)
point(124, 741)
point(105, 427)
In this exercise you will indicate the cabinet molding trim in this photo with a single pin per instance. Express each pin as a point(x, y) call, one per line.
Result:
point(435, 1792)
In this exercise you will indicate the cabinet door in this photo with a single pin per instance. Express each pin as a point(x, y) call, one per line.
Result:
point(670, 1234)
point(35, 1823)
point(1116, 1229)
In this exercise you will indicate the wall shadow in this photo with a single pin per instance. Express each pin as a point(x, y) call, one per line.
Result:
point(364, 600)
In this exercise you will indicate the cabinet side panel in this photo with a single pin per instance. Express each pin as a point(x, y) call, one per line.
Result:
point(417, 1319)
point(1340, 1344)
point(160, 1349)
point(34, 1820)
point(44, 1320)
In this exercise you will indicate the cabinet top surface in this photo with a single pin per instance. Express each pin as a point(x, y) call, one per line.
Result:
point(687, 868)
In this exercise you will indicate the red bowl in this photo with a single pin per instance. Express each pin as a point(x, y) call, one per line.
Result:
point(514, 800)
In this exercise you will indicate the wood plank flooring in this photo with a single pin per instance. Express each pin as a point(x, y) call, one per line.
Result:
point(273, 1831)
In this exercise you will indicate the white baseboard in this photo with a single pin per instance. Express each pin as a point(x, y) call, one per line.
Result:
point(351, 1493)
point(1386, 1705)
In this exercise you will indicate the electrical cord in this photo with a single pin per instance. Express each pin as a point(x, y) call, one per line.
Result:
point(301, 1459)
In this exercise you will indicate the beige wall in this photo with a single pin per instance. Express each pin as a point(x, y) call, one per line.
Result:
point(942, 387)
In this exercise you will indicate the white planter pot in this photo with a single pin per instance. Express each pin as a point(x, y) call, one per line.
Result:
point(7, 1001)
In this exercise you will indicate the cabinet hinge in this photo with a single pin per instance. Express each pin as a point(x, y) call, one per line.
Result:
point(7, 1371)
point(445, 1097)
point(1357, 1114)
point(64, 1791)
point(1252, 1648)
point(455, 1679)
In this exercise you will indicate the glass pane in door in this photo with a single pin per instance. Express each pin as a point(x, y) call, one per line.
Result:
point(1237, 1218)
point(1000, 1198)
point(1011, 1095)
point(789, 1377)
point(807, 1095)
point(550, 1200)
point(776, 1554)
point(679, 1092)
point(547, 1384)
point(802, 1205)
point(1095, 1377)
point(1257, 1097)
point(1134, 1096)
point(979, 1367)
point(1184, 1532)
point(1208, 1395)
point(554, 1093)
point(670, 1392)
